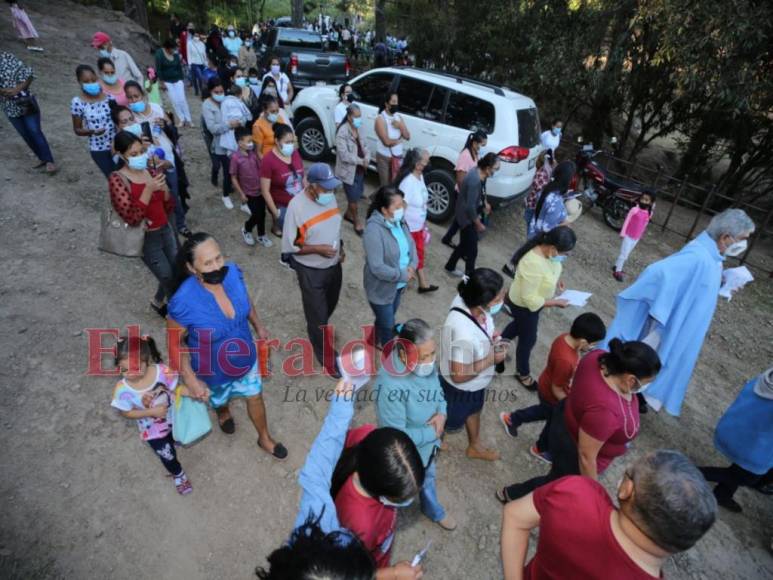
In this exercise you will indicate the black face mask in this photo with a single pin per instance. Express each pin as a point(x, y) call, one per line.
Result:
point(392, 109)
point(216, 276)
point(350, 98)
point(645, 206)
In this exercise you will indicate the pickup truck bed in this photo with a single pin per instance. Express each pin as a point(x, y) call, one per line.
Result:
point(312, 65)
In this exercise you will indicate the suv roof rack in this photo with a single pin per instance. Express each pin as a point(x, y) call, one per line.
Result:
point(457, 77)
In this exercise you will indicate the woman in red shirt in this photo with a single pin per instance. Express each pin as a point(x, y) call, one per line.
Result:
point(379, 471)
point(600, 417)
point(281, 175)
point(138, 194)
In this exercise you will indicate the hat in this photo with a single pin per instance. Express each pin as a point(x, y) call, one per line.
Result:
point(321, 174)
point(99, 39)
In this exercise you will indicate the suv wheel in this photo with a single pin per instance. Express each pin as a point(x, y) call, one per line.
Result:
point(442, 195)
point(311, 137)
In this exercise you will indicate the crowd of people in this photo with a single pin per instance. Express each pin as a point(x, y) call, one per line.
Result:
point(596, 383)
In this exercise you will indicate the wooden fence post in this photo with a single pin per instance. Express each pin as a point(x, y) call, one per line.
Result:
point(703, 208)
point(674, 203)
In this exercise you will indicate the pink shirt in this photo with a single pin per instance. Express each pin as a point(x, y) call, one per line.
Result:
point(465, 162)
point(117, 91)
point(635, 223)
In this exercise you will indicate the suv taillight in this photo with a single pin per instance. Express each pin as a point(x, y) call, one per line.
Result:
point(293, 64)
point(347, 67)
point(514, 154)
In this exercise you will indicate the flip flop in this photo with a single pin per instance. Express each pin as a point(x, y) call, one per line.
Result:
point(228, 426)
point(280, 451)
point(529, 386)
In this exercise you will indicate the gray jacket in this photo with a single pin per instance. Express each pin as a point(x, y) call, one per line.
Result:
point(382, 273)
point(347, 159)
point(213, 120)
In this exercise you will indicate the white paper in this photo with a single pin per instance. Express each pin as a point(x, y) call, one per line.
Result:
point(733, 279)
point(575, 297)
point(356, 363)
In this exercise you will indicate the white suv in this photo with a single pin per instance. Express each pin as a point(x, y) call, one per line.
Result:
point(440, 110)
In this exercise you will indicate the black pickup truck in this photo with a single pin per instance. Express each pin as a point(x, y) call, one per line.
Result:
point(304, 57)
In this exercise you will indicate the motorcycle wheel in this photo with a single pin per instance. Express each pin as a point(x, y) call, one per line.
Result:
point(615, 212)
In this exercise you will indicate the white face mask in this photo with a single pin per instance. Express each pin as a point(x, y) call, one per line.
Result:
point(736, 249)
point(424, 369)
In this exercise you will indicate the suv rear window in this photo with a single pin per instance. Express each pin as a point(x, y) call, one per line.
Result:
point(299, 38)
point(373, 88)
point(528, 127)
point(413, 95)
point(470, 113)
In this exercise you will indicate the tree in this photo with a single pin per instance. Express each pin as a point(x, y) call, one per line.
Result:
point(137, 11)
point(297, 12)
point(380, 7)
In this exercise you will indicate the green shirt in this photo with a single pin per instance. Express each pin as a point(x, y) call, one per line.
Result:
point(169, 71)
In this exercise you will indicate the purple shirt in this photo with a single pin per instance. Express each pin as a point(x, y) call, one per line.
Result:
point(246, 168)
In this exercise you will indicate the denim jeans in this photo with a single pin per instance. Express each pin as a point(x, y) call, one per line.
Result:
point(28, 126)
point(104, 160)
point(528, 214)
point(174, 189)
point(159, 253)
point(385, 319)
point(196, 70)
point(541, 412)
point(430, 505)
point(523, 326)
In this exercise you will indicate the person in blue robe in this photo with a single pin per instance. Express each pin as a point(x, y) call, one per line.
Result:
point(671, 304)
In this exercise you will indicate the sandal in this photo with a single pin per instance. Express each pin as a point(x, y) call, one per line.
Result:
point(228, 426)
point(527, 382)
point(502, 495)
point(160, 310)
point(279, 452)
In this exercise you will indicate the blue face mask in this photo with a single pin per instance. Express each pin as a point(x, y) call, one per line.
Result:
point(287, 149)
point(424, 369)
point(241, 82)
point(557, 259)
point(138, 162)
point(495, 308)
point(326, 198)
point(110, 79)
point(272, 117)
point(105, 53)
point(556, 131)
point(137, 107)
point(92, 89)
point(253, 80)
point(357, 123)
point(398, 216)
point(218, 98)
point(134, 128)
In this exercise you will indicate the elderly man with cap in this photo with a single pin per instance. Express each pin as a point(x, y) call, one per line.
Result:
point(665, 508)
point(232, 42)
point(311, 235)
point(125, 67)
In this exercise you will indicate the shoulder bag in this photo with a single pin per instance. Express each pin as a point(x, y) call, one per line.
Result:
point(118, 237)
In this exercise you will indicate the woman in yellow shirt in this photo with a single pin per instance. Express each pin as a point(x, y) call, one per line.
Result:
point(538, 270)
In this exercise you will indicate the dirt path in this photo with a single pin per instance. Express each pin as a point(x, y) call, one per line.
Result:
point(83, 498)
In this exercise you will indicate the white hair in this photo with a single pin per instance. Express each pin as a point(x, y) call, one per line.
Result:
point(731, 222)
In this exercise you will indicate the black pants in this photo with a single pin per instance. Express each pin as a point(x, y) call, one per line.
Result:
point(257, 207)
point(540, 412)
point(467, 248)
point(449, 235)
point(563, 451)
point(320, 290)
point(224, 162)
point(164, 448)
point(729, 479)
point(523, 326)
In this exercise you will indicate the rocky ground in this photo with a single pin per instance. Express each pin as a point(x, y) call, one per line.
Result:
point(82, 497)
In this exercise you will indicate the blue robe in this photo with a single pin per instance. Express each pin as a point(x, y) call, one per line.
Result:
point(680, 293)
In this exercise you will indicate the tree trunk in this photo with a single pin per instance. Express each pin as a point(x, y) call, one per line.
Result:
point(137, 11)
point(380, 20)
point(297, 12)
point(263, 11)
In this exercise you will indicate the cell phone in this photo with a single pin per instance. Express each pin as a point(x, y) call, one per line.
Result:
point(146, 132)
point(418, 558)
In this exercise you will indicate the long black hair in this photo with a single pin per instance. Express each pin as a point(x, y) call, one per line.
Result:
point(474, 137)
point(412, 157)
point(269, 80)
point(634, 357)
point(385, 100)
point(123, 140)
point(480, 288)
point(382, 199)
point(186, 255)
point(562, 238)
point(387, 463)
point(562, 176)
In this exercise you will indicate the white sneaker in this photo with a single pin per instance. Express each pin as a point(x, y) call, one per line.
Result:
point(245, 208)
point(264, 241)
point(248, 239)
point(227, 202)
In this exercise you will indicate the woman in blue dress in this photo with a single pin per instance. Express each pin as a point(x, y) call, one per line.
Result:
point(209, 336)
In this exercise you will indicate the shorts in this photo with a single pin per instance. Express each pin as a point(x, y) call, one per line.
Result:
point(460, 404)
point(418, 240)
point(354, 191)
point(249, 385)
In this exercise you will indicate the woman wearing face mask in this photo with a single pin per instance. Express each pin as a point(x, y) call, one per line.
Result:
point(268, 90)
point(139, 194)
point(390, 259)
point(471, 349)
point(283, 85)
point(247, 56)
point(281, 176)
point(91, 118)
point(411, 400)
point(210, 312)
point(170, 74)
point(469, 208)
point(550, 211)
point(217, 126)
point(551, 139)
point(263, 128)
point(600, 418)
point(254, 81)
point(123, 119)
point(538, 270)
point(352, 159)
point(391, 132)
point(468, 159)
point(345, 99)
point(110, 82)
point(232, 42)
point(241, 88)
point(410, 181)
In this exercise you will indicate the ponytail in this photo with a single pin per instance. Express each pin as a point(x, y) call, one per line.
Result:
point(562, 176)
point(480, 288)
point(129, 346)
point(632, 357)
point(474, 137)
point(562, 238)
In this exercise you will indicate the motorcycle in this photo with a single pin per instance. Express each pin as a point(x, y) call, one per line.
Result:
point(615, 196)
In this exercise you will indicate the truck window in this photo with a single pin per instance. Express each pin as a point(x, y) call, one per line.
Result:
point(372, 88)
point(470, 113)
point(414, 96)
point(528, 127)
point(294, 38)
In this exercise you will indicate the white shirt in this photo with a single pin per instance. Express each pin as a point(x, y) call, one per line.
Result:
point(463, 341)
point(416, 196)
point(393, 133)
point(282, 84)
point(340, 112)
point(153, 112)
point(197, 52)
point(550, 141)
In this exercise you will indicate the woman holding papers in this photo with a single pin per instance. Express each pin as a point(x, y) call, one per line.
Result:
point(538, 268)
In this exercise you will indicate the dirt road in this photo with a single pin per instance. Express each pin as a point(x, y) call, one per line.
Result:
point(82, 497)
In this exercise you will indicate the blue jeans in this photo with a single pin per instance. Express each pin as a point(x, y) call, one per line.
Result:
point(225, 162)
point(174, 189)
point(354, 191)
point(523, 326)
point(197, 82)
point(385, 319)
point(28, 126)
point(104, 160)
point(541, 412)
point(430, 505)
point(528, 214)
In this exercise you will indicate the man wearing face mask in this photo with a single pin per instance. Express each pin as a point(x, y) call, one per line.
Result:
point(125, 67)
point(311, 234)
point(551, 139)
point(671, 304)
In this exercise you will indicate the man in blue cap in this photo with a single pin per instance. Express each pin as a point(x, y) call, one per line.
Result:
point(311, 238)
